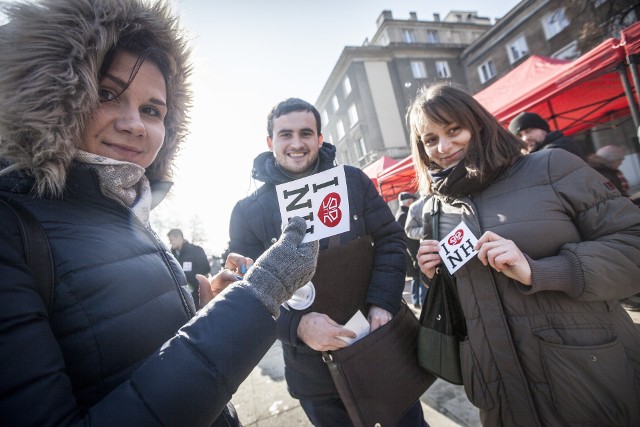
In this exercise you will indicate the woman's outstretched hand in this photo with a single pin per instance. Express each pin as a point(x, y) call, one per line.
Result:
point(234, 268)
point(284, 267)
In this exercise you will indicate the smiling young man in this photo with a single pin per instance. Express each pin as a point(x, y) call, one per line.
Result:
point(297, 150)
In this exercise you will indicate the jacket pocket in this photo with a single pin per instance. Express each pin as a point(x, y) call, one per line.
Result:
point(592, 384)
point(475, 386)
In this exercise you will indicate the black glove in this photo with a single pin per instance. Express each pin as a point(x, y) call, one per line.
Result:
point(283, 268)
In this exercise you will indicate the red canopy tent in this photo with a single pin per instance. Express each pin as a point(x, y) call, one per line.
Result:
point(374, 169)
point(399, 177)
point(572, 96)
point(630, 38)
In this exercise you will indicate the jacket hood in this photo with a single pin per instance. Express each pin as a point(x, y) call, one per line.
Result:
point(265, 168)
point(50, 57)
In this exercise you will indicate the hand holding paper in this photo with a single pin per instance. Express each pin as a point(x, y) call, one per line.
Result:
point(359, 325)
point(320, 332)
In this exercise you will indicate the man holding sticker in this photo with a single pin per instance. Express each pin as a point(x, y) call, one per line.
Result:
point(297, 150)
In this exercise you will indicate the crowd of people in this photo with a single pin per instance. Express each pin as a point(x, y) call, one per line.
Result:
point(94, 101)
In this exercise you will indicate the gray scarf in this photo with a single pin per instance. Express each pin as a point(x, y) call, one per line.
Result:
point(121, 181)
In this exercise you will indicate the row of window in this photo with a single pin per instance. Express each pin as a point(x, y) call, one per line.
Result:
point(353, 119)
point(552, 23)
point(409, 36)
point(419, 70)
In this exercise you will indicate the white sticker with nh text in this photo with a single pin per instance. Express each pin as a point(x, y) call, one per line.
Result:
point(322, 199)
point(456, 249)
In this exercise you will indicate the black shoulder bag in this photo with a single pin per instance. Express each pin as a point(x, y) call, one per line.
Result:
point(442, 323)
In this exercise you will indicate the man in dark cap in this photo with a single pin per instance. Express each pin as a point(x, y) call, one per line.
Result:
point(536, 134)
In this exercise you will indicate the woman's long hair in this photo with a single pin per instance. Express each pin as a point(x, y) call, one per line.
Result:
point(492, 147)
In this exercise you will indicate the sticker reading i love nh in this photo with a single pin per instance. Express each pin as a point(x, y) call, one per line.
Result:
point(321, 199)
point(456, 249)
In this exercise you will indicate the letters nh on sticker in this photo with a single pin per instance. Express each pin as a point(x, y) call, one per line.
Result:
point(460, 255)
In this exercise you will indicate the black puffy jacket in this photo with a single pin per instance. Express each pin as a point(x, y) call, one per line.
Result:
point(114, 351)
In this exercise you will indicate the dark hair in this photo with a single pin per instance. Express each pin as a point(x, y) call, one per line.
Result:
point(175, 232)
point(288, 106)
point(491, 147)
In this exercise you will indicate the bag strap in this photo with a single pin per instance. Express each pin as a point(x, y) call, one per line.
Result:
point(435, 219)
point(37, 251)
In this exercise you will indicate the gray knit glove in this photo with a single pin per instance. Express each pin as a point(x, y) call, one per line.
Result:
point(283, 268)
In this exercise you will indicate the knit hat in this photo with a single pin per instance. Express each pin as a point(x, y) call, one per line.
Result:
point(406, 196)
point(527, 120)
point(611, 153)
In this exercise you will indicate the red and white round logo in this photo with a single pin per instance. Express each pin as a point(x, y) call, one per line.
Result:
point(456, 238)
point(329, 213)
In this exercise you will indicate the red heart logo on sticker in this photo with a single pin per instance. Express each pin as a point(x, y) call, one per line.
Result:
point(329, 213)
point(456, 237)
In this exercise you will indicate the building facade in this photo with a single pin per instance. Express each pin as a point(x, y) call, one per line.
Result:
point(364, 100)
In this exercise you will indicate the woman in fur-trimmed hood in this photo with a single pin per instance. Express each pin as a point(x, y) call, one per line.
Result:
point(48, 86)
point(93, 107)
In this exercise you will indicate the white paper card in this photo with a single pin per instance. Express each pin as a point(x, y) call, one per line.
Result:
point(187, 266)
point(456, 249)
point(358, 324)
point(321, 199)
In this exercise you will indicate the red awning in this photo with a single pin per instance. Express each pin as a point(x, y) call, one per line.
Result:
point(374, 169)
point(572, 96)
point(630, 39)
point(396, 179)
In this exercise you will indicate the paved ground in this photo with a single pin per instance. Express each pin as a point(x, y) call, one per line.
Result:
point(263, 400)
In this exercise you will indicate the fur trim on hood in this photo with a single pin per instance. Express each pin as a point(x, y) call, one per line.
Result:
point(50, 57)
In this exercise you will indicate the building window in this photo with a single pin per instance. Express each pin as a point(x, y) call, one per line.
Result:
point(346, 85)
point(408, 36)
point(325, 117)
point(432, 36)
point(442, 68)
point(363, 147)
point(418, 70)
point(334, 101)
point(487, 71)
point(570, 51)
point(353, 115)
point(554, 22)
point(340, 129)
point(517, 49)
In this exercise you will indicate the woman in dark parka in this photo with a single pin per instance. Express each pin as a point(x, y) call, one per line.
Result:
point(548, 343)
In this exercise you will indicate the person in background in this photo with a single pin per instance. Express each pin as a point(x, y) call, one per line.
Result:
point(534, 131)
point(296, 150)
point(93, 107)
point(417, 290)
point(548, 342)
point(607, 161)
point(192, 259)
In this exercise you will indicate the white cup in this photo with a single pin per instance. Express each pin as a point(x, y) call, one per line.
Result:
point(302, 298)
